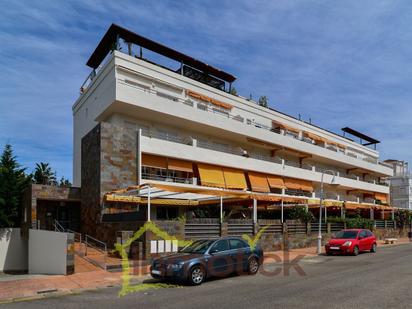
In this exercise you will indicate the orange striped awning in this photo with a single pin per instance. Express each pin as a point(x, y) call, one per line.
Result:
point(205, 98)
point(276, 182)
point(258, 182)
point(180, 165)
point(211, 175)
point(298, 184)
point(234, 179)
point(154, 161)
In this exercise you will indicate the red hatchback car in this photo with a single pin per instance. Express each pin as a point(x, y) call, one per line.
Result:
point(351, 241)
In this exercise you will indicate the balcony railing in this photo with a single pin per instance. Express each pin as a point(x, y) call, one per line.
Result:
point(167, 178)
point(182, 99)
point(254, 155)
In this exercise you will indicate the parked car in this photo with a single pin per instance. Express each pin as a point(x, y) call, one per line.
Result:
point(208, 258)
point(351, 241)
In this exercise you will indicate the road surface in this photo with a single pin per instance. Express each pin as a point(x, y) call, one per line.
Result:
point(381, 280)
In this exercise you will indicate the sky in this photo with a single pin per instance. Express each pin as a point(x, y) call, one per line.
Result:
point(339, 63)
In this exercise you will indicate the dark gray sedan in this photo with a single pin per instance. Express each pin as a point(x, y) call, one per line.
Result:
point(208, 258)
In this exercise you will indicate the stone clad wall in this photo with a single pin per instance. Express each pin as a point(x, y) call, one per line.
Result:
point(118, 157)
point(90, 178)
point(108, 163)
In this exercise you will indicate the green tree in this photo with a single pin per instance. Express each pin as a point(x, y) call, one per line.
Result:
point(64, 183)
point(44, 175)
point(233, 91)
point(13, 182)
point(301, 213)
point(263, 101)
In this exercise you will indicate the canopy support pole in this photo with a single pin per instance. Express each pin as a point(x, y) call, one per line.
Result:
point(281, 210)
point(221, 209)
point(254, 210)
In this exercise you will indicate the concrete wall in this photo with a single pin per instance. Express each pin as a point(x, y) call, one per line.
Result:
point(48, 252)
point(13, 250)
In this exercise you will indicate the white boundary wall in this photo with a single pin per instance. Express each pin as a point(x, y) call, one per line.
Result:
point(13, 250)
point(47, 252)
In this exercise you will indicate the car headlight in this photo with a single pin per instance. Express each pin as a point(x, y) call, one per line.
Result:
point(175, 266)
point(347, 244)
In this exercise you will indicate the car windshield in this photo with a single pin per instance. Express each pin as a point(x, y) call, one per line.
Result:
point(199, 246)
point(346, 235)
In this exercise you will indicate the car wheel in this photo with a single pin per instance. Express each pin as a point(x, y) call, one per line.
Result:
point(373, 249)
point(355, 250)
point(196, 275)
point(253, 266)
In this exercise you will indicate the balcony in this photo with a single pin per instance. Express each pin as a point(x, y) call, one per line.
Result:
point(224, 148)
point(228, 114)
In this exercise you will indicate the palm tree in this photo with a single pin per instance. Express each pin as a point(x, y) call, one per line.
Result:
point(44, 175)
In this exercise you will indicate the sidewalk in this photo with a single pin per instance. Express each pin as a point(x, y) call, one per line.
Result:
point(87, 277)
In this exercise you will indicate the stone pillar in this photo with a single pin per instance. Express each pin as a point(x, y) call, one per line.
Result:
point(255, 228)
point(328, 228)
point(285, 236)
point(223, 229)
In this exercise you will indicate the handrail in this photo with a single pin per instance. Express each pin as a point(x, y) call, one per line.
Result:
point(75, 234)
point(87, 243)
point(58, 227)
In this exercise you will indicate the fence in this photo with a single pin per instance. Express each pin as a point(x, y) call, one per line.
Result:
point(202, 230)
point(239, 228)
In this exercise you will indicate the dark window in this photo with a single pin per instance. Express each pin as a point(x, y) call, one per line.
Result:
point(221, 245)
point(237, 244)
point(369, 233)
point(167, 213)
point(363, 234)
point(199, 246)
point(346, 235)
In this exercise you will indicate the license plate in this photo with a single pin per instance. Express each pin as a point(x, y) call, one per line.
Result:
point(156, 272)
point(334, 248)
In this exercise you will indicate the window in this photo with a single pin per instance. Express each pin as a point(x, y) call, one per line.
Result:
point(369, 234)
point(167, 213)
point(221, 245)
point(237, 244)
point(363, 234)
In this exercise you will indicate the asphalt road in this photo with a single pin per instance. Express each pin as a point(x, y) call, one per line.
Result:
point(381, 280)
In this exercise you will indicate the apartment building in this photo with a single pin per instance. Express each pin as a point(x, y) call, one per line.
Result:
point(400, 185)
point(164, 129)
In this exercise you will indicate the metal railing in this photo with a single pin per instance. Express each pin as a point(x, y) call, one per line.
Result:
point(167, 178)
point(97, 245)
point(233, 150)
point(58, 227)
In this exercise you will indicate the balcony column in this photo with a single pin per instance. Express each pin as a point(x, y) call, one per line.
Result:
point(148, 203)
point(342, 212)
point(326, 214)
point(254, 210)
point(139, 157)
point(393, 214)
point(371, 213)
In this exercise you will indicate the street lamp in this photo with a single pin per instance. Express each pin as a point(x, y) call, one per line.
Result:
point(319, 249)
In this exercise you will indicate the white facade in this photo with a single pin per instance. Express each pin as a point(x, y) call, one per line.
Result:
point(132, 92)
point(401, 191)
